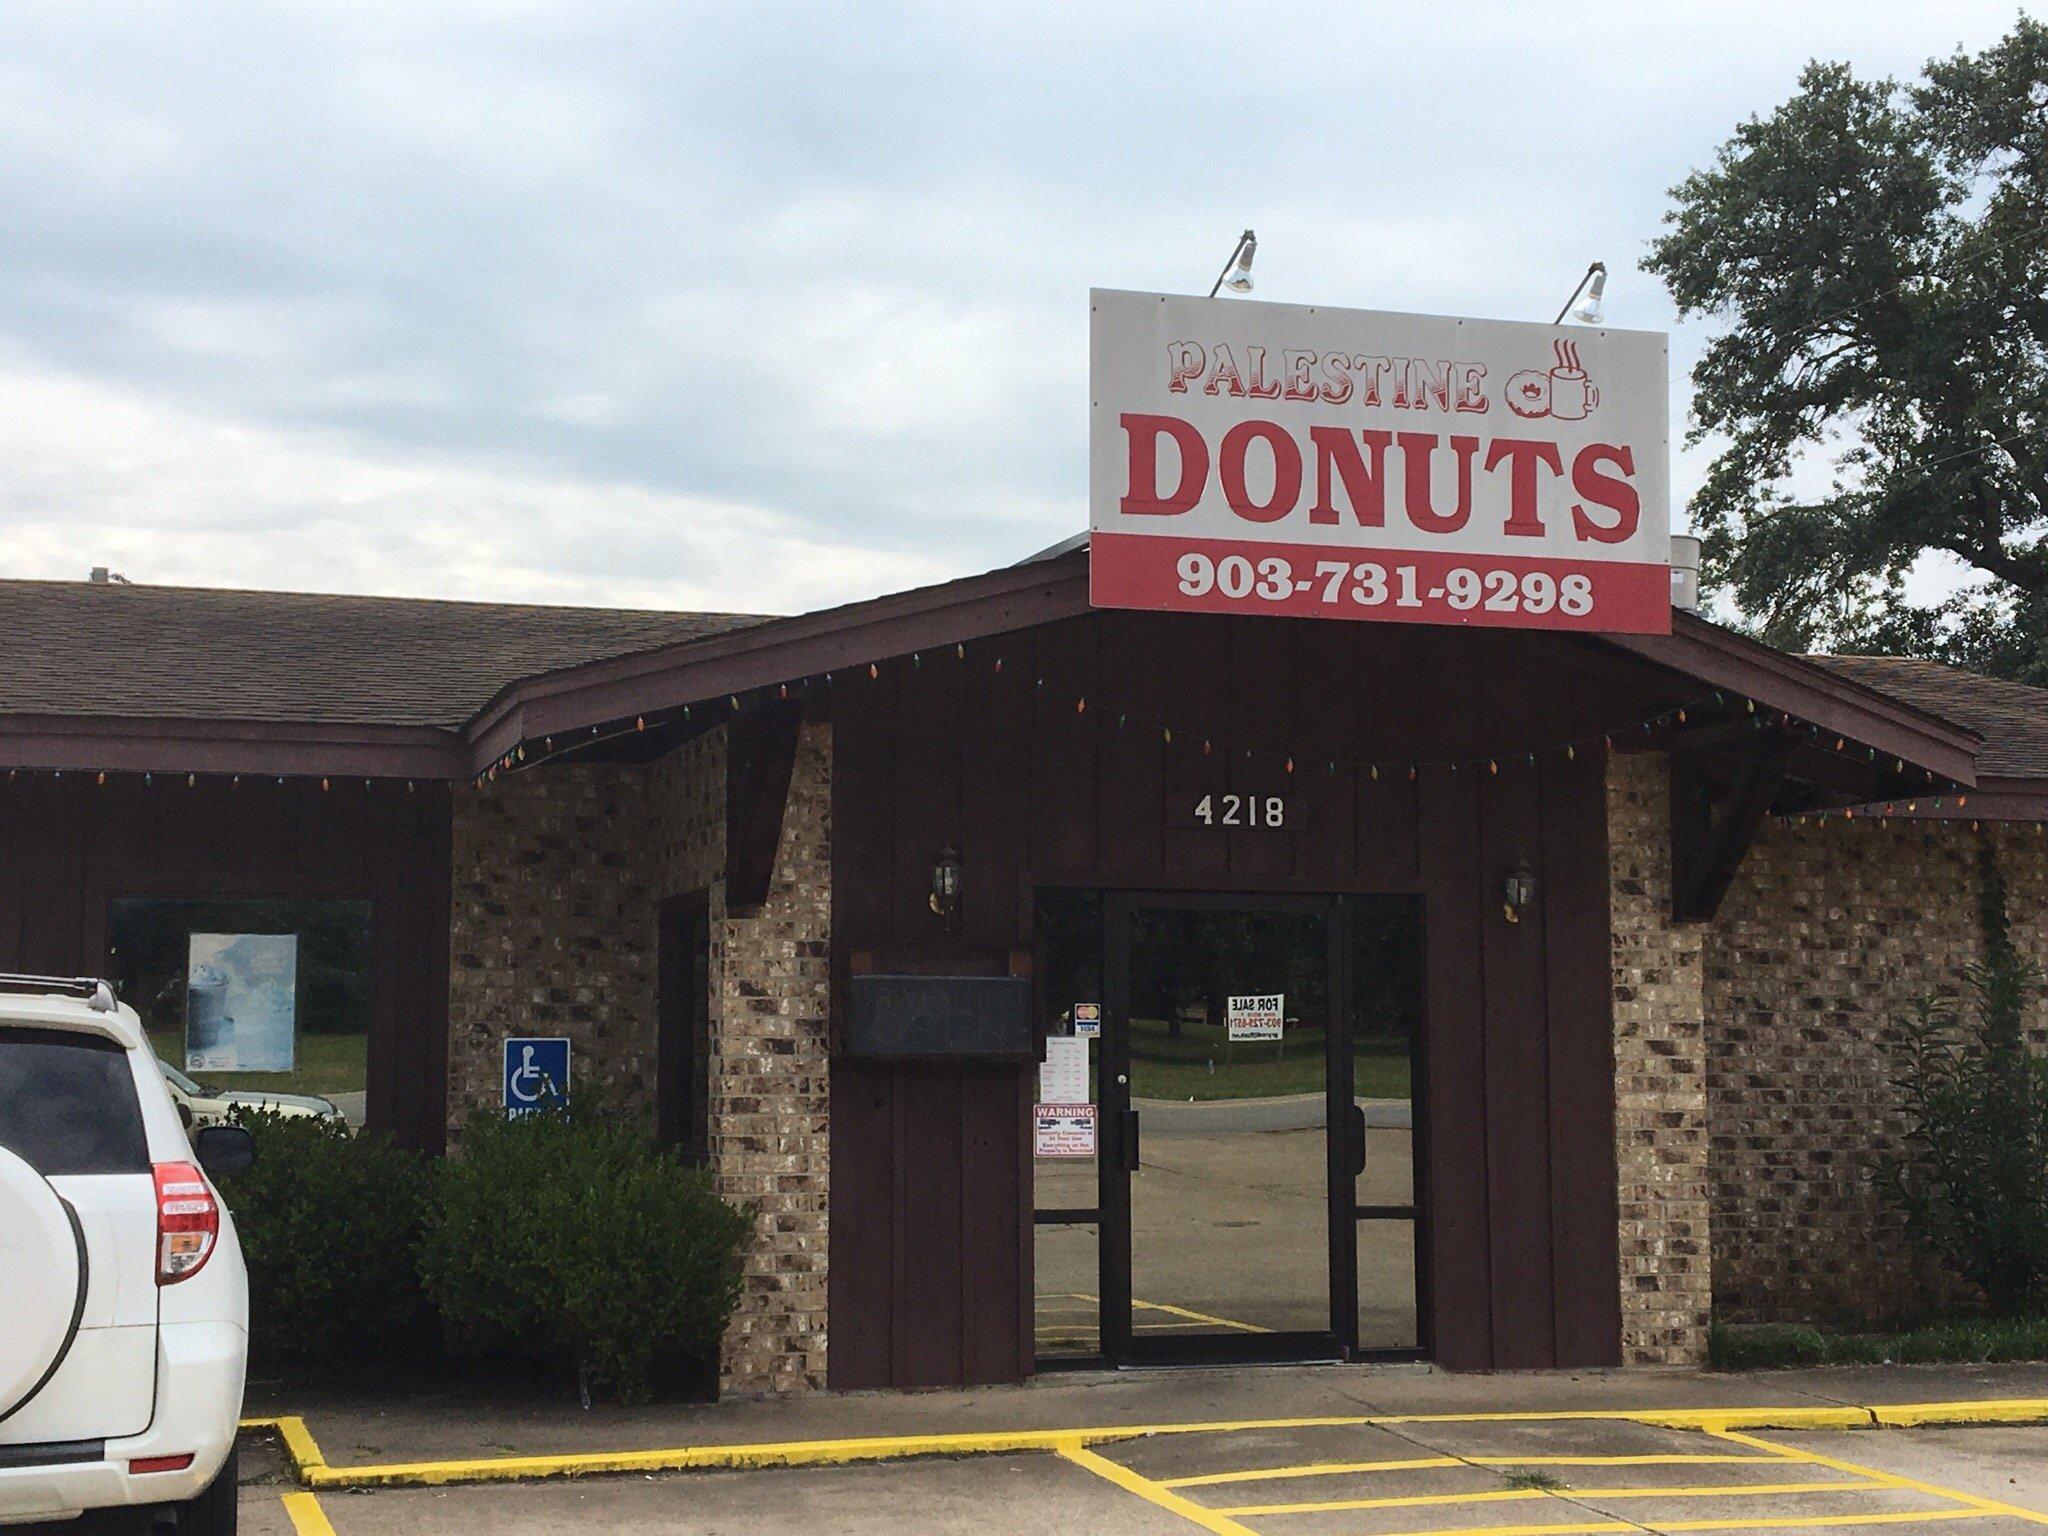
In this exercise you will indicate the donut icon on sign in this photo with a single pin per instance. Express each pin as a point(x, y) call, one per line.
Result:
point(1563, 393)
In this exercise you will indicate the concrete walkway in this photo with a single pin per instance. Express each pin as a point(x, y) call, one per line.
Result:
point(461, 1423)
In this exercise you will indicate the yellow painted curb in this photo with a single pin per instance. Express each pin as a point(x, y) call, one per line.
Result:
point(310, 1466)
point(2008, 1410)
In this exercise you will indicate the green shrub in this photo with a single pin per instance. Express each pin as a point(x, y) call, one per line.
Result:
point(330, 1226)
point(573, 1240)
point(1764, 1347)
point(1974, 1340)
point(1972, 1180)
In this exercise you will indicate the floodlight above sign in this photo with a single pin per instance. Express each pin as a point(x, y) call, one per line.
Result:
point(1351, 464)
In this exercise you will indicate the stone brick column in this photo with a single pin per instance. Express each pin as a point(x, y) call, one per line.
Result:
point(1660, 1081)
point(770, 1078)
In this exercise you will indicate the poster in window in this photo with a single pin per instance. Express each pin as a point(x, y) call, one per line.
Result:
point(241, 1002)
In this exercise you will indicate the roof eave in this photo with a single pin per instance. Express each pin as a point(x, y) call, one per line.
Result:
point(140, 744)
point(1792, 685)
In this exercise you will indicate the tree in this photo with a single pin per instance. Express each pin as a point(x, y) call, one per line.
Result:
point(1971, 1178)
point(1881, 255)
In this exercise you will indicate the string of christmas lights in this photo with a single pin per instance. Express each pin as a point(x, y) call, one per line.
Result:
point(1288, 759)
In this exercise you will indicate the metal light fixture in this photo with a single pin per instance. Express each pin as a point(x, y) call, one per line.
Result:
point(1593, 311)
point(1517, 890)
point(1237, 272)
point(945, 881)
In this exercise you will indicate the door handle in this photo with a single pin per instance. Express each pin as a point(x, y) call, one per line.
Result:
point(1357, 1142)
point(1130, 1134)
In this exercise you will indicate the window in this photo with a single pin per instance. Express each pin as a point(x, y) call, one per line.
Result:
point(683, 1026)
point(311, 995)
point(68, 1105)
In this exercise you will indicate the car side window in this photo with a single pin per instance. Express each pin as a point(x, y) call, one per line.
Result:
point(68, 1104)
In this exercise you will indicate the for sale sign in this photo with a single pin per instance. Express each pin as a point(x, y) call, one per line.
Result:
point(1289, 459)
point(1260, 1017)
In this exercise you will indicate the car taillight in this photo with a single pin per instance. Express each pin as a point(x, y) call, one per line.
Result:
point(161, 1463)
point(187, 1222)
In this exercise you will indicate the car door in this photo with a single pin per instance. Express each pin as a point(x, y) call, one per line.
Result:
point(69, 1109)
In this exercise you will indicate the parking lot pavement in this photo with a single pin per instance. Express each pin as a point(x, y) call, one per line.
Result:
point(1528, 1476)
point(1041, 1494)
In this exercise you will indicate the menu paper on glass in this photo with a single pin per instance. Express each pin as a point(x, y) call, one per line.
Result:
point(1355, 464)
point(1063, 1076)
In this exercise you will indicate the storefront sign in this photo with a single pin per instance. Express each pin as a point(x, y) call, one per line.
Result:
point(241, 1002)
point(1257, 1018)
point(1353, 464)
point(1063, 1130)
point(536, 1074)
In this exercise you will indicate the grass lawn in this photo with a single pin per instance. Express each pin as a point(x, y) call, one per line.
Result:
point(327, 1064)
point(1166, 1067)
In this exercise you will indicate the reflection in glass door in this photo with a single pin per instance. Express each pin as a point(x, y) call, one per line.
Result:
point(1384, 977)
point(1254, 1193)
point(1226, 1034)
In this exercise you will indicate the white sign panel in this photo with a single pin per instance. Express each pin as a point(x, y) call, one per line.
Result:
point(1353, 464)
point(1258, 1018)
point(1063, 1130)
point(241, 1002)
point(1063, 1076)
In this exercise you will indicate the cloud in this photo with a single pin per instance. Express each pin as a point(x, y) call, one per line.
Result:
point(815, 275)
point(106, 476)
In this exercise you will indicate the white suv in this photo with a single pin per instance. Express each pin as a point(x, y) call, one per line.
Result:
point(122, 1284)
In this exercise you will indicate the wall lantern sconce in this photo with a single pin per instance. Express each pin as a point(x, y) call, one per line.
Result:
point(945, 882)
point(1517, 890)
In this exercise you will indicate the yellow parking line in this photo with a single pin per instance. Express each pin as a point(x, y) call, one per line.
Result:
point(1135, 1482)
point(1753, 1523)
point(307, 1517)
point(1348, 1468)
point(1323, 1469)
point(1975, 1502)
point(1510, 1495)
point(1140, 1305)
point(1197, 1317)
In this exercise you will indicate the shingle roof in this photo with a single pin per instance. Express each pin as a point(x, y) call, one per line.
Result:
point(2011, 717)
point(108, 649)
point(87, 648)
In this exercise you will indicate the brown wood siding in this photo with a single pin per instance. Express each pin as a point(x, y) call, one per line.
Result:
point(70, 845)
point(931, 1174)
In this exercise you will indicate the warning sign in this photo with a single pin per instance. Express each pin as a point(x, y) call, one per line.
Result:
point(1259, 1017)
point(1063, 1130)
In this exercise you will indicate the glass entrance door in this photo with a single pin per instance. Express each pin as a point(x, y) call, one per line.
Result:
point(1228, 1065)
point(1252, 1192)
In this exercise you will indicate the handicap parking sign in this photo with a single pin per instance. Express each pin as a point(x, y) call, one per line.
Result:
point(536, 1074)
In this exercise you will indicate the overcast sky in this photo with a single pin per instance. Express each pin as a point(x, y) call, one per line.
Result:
point(758, 307)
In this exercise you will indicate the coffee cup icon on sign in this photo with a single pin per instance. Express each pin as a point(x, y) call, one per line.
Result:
point(1563, 392)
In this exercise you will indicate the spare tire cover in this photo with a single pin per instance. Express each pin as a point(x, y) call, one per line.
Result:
point(41, 1275)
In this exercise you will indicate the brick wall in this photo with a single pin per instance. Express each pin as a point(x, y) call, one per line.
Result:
point(552, 931)
point(1660, 1091)
point(558, 873)
point(1831, 931)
